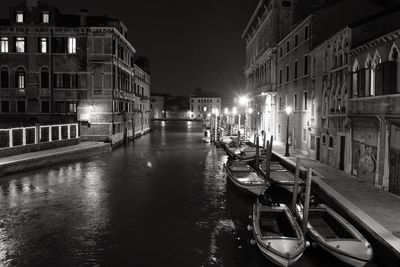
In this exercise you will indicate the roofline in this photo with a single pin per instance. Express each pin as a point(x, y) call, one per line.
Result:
point(300, 24)
point(253, 17)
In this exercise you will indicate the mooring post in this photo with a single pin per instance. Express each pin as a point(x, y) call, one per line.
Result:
point(257, 153)
point(296, 185)
point(264, 139)
point(307, 200)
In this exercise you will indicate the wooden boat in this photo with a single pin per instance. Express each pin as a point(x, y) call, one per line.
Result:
point(249, 154)
point(336, 235)
point(277, 234)
point(280, 177)
point(246, 178)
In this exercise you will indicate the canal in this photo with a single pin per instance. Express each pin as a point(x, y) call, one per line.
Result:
point(161, 201)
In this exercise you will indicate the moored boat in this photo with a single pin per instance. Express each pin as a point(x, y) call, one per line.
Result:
point(246, 178)
point(336, 235)
point(280, 177)
point(277, 234)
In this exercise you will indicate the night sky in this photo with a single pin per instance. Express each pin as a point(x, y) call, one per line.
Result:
point(189, 43)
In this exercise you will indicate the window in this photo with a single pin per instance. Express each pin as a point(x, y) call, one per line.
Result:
point(295, 101)
point(5, 106)
point(287, 73)
point(71, 45)
point(324, 140)
point(306, 59)
point(279, 129)
point(45, 17)
point(72, 107)
point(20, 45)
point(296, 40)
point(280, 103)
point(305, 100)
point(280, 51)
point(19, 17)
point(20, 78)
point(43, 45)
point(287, 47)
point(4, 78)
point(306, 33)
point(60, 107)
point(312, 142)
point(304, 135)
point(21, 106)
point(280, 76)
point(295, 69)
point(4, 45)
point(330, 141)
point(44, 78)
point(45, 106)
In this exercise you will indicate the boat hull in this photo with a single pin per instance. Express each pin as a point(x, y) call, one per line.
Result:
point(253, 189)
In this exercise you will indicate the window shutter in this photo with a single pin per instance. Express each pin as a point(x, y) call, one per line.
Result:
point(389, 77)
point(361, 82)
point(379, 70)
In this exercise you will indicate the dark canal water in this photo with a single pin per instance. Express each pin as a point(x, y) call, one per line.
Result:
point(162, 201)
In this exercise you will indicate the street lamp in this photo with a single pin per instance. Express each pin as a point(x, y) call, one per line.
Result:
point(288, 111)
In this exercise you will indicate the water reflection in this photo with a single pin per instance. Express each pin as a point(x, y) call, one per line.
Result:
point(162, 201)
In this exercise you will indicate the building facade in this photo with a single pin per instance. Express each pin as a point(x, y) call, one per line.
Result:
point(374, 112)
point(342, 87)
point(201, 106)
point(157, 107)
point(270, 22)
point(59, 68)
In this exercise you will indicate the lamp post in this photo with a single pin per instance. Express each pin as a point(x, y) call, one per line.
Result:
point(288, 111)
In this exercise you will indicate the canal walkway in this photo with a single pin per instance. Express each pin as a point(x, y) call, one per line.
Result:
point(29, 161)
point(377, 210)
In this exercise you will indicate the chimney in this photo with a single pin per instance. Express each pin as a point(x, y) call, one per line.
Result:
point(83, 17)
point(31, 3)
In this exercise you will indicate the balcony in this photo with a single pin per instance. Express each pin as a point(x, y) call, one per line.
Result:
point(44, 92)
point(375, 105)
point(20, 92)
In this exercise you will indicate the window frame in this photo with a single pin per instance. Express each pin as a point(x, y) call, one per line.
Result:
point(4, 44)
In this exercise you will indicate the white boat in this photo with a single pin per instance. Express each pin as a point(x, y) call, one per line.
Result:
point(246, 178)
point(336, 235)
point(277, 234)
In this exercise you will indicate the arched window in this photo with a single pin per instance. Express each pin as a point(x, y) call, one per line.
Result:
point(44, 78)
point(355, 78)
point(394, 56)
point(377, 60)
point(5, 77)
point(324, 140)
point(368, 77)
point(20, 78)
point(330, 141)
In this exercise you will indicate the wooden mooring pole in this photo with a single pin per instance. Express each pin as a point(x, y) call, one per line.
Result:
point(257, 153)
point(296, 186)
point(307, 200)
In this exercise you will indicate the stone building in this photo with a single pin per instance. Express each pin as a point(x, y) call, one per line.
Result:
point(270, 22)
point(201, 106)
point(142, 104)
point(60, 68)
point(374, 112)
point(157, 106)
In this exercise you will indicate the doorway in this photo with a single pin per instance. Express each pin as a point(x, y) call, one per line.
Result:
point(318, 151)
point(394, 160)
point(342, 152)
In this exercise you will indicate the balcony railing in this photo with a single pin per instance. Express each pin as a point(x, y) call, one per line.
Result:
point(20, 92)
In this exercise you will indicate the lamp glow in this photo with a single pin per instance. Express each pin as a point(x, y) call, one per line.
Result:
point(288, 110)
point(243, 100)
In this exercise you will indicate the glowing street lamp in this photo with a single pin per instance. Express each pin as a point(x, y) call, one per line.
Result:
point(234, 111)
point(250, 110)
point(226, 111)
point(243, 100)
point(288, 112)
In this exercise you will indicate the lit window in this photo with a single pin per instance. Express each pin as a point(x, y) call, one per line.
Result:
point(4, 45)
point(43, 45)
point(45, 17)
point(20, 45)
point(19, 17)
point(21, 80)
point(71, 45)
